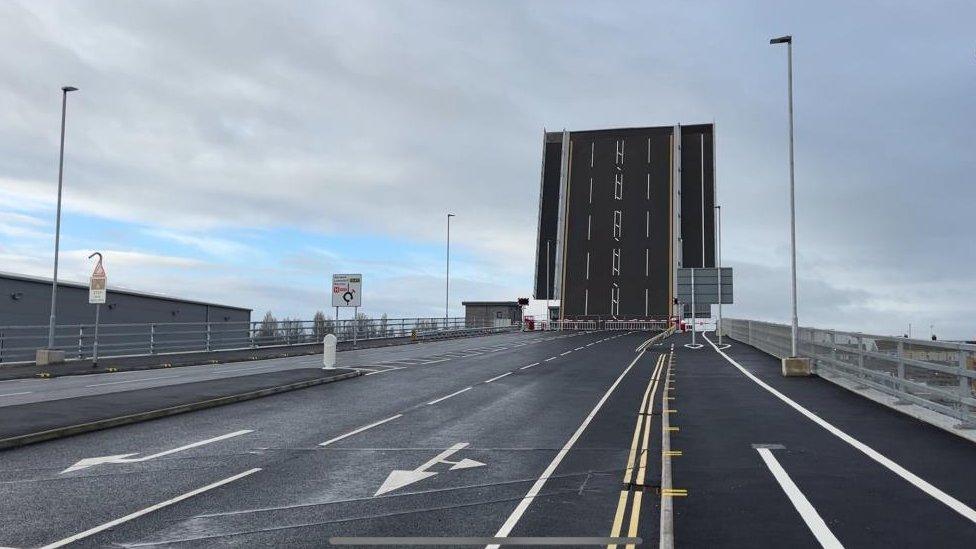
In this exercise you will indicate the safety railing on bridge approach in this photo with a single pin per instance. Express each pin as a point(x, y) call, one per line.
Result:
point(938, 375)
point(19, 343)
point(632, 325)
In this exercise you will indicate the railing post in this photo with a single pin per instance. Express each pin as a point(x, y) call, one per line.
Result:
point(250, 333)
point(81, 342)
point(208, 336)
point(1, 346)
point(965, 414)
point(152, 339)
point(900, 372)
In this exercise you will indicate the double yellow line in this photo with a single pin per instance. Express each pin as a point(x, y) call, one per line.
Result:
point(637, 458)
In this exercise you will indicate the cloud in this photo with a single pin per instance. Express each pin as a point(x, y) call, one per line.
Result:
point(218, 127)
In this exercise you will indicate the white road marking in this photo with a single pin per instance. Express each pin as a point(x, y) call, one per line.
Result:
point(435, 361)
point(550, 358)
point(513, 519)
point(125, 458)
point(566, 353)
point(132, 380)
point(443, 398)
point(529, 366)
point(914, 479)
point(498, 377)
point(589, 344)
point(360, 430)
point(578, 349)
point(809, 514)
point(399, 478)
point(15, 394)
point(137, 514)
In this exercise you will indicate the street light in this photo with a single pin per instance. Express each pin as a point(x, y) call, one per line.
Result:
point(447, 284)
point(788, 40)
point(718, 223)
point(57, 224)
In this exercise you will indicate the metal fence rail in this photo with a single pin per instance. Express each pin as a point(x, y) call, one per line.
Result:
point(19, 343)
point(937, 375)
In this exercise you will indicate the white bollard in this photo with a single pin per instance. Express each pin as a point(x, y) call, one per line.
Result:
point(329, 352)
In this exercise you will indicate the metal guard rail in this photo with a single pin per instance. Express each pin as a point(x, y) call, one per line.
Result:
point(937, 375)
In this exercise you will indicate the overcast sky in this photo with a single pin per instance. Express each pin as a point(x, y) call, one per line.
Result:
point(241, 152)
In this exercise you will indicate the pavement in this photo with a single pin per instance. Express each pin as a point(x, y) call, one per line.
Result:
point(546, 434)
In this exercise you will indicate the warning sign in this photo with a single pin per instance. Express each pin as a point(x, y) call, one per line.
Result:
point(97, 284)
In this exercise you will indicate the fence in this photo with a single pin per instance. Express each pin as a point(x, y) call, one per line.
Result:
point(19, 343)
point(937, 375)
point(633, 325)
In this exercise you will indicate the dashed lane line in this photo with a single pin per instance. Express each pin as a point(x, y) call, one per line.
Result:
point(529, 366)
point(150, 509)
point(809, 514)
point(360, 430)
point(566, 353)
point(498, 377)
point(443, 398)
point(550, 358)
point(15, 394)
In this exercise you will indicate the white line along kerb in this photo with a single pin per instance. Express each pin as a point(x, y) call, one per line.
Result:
point(513, 519)
point(916, 480)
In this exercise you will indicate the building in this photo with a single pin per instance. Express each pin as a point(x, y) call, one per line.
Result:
point(25, 302)
point(491, 313)
point(619, 211)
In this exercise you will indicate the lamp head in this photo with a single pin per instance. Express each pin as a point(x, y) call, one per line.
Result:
point(67, 89)
point(782, 40)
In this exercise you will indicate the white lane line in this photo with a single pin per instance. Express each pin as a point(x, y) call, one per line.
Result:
point(916, 480)
point(578, 349)
point(131, 380)
point(589, 344)
point(360, 430)
point(810, 516)
point(15, 394)
point(566, 353)
point(513, 519)
point(443, 398)
point(550, 358)
point(490, 380)
point(529, 366)
point(434, 361)
point(139, 513)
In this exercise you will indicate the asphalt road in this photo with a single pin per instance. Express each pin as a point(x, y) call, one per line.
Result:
point(295, 491)
point(530, 435)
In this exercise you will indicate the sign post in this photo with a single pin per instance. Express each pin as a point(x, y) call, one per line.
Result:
point(96, 295)
point(347, 291)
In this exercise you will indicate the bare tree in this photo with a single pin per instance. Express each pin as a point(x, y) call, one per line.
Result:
point(268, 329)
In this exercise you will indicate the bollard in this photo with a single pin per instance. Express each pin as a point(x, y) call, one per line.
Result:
point(329, 352)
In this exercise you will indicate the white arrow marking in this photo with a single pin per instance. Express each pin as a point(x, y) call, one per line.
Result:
point(399, 478)
point(125, 458)
point(465, 464)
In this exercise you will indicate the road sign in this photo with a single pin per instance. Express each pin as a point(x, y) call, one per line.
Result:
point(96, 284)
point(347, 290)
point(706, 285)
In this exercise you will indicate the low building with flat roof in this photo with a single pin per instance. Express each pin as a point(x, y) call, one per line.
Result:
point(492, 313)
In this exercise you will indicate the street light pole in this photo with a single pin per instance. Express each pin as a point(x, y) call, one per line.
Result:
point(788, 40)
point(57, 223)
point(718, 220)
point(447, 283)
